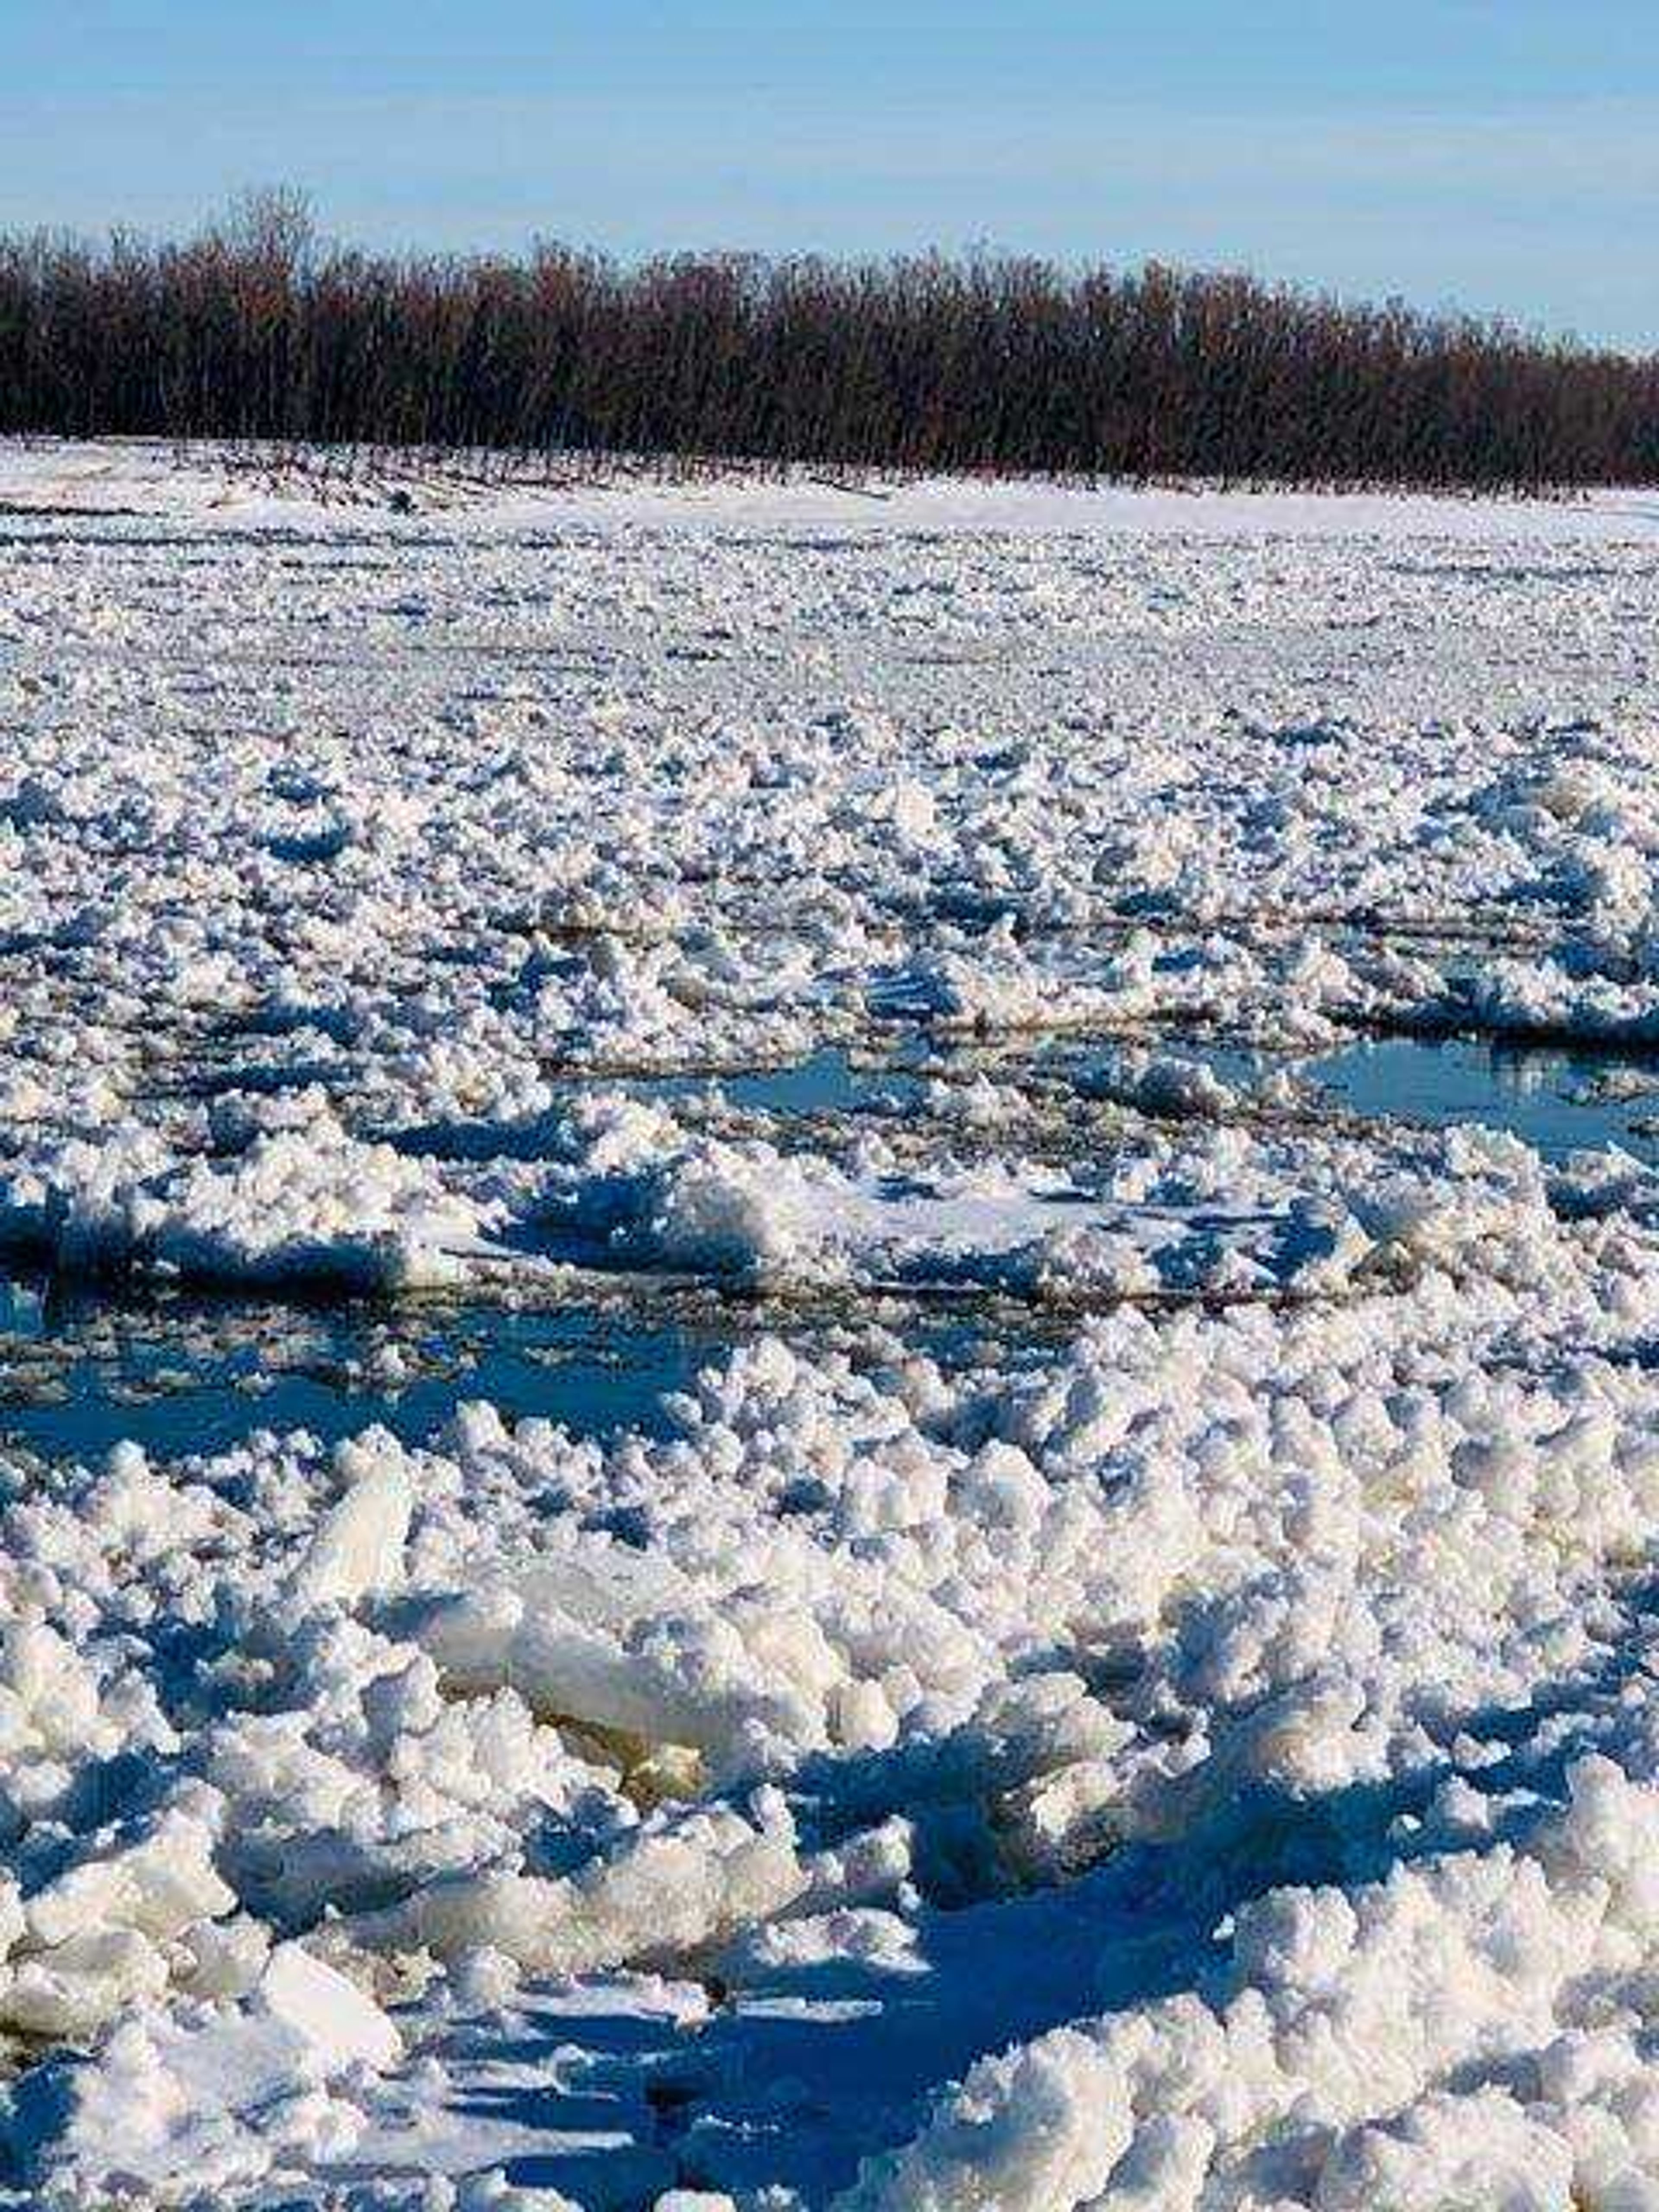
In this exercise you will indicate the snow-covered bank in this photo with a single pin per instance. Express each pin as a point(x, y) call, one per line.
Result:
point(272, 486)
point(1198, 1756)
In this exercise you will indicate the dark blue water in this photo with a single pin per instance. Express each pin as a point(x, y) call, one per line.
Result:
point(199, 1379)
point(828, 1082)
point(1550, 1100)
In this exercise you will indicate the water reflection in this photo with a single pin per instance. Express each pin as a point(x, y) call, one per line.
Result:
point(1557, 1102)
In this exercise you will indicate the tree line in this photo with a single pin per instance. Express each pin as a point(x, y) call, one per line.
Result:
point(256, 329)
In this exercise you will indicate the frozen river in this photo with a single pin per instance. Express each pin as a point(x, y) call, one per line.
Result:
point(827, 1351)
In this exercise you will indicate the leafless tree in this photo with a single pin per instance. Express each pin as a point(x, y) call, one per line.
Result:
point(260, 329)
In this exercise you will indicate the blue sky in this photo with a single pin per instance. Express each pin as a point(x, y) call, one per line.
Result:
point(1501, 153)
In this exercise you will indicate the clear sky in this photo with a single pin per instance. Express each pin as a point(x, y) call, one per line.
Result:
point(1499, 154)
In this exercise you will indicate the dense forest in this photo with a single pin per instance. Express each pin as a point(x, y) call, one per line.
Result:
point(260, 329)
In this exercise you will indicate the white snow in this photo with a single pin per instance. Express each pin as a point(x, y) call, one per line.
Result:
point(1187, 1740)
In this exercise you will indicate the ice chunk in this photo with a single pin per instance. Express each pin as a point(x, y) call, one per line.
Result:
point(359, 1549)
point(206, 2096)
point(677, 1886)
